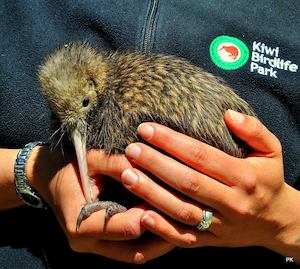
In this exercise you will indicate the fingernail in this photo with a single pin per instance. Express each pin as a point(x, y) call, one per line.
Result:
point(133, 151)
point(129, 178)
point(145, 130)
point(236, 117)
point(148, 220)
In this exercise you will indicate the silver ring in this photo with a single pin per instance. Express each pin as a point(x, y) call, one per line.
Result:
point(206, 220)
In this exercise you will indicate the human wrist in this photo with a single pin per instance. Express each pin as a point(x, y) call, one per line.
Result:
point(287, 241)
point(32, 164)
point(42, 166)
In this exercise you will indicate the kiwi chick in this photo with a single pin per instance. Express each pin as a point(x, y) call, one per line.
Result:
point(100, 98)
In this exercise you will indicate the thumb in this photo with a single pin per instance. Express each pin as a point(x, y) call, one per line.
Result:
point(253, 132)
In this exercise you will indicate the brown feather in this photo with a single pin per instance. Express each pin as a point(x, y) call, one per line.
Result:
point(127, 88)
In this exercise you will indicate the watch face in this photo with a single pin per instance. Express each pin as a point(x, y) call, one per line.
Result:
point(31, 200)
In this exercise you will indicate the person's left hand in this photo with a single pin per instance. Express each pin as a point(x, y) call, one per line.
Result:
point(122, 237)
point(248, 197)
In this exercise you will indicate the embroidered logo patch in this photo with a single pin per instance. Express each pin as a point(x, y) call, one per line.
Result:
point(231, 53)
point(228, 52)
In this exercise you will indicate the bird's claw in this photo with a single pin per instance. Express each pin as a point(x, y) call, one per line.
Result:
point(111, 208)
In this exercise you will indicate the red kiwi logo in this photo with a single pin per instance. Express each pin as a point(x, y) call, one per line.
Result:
point(228, 52)
point(232, 51)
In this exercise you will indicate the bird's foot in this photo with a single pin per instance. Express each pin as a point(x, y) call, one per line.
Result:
point(111, 208)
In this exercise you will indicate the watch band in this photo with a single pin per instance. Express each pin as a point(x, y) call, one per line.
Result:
point(24, 191)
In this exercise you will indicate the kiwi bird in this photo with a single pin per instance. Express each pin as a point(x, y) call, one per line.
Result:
point(101, 97)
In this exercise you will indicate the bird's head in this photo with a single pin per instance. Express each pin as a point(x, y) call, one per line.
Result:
point(71, 79)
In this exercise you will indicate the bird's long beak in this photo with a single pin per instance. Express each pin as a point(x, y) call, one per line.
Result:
point(79, 141)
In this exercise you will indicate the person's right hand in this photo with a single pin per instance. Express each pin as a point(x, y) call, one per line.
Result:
point(59, 185)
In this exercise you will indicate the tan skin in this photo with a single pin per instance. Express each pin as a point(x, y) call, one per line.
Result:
point(61, 189)
point(250, 198)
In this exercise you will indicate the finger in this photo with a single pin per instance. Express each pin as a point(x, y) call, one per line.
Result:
point(122, 226)
point(253, 132)
point(111, 165)
point(160, 198)
point(135, 251)
point(203, 157)
point(181, 177)
point(179, 235)
point(68, 203)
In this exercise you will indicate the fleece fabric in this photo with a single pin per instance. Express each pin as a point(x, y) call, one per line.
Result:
point(263, 68)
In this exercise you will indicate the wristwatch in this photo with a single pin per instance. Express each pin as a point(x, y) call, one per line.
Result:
point(24, 191)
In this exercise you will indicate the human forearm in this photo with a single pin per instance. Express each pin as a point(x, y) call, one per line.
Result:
point(8, 196)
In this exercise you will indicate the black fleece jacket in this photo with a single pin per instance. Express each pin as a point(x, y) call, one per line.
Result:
point(266, 74)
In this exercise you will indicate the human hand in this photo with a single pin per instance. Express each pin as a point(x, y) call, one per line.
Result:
point(251, 203)
point(60, 187)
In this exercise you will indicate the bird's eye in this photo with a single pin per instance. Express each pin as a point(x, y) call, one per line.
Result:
point(85, 101)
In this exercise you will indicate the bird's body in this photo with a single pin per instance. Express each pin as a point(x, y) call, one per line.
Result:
point(131, 88)
point(166, 90)
point(105, 96)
